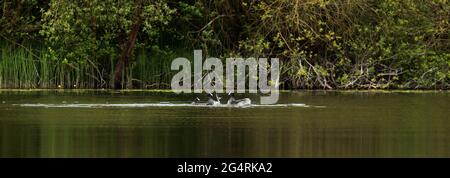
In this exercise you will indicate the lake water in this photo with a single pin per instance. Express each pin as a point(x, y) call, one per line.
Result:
point(159, 124)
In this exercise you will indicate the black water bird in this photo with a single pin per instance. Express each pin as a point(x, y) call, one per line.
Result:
point(196, 101)
point(212, 101)
point(238, 102)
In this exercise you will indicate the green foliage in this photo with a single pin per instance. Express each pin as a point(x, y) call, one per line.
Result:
point(20, 20)
point(354, 44)
point(330, 44)
point(92, 29)
point(94, 32)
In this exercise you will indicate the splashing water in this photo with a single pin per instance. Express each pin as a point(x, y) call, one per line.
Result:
point(162, 104)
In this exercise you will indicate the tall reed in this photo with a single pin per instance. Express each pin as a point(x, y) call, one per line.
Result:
point(18, 68)
point(21, 68)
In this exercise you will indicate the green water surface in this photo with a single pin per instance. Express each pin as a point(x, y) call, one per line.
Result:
point(347, 124)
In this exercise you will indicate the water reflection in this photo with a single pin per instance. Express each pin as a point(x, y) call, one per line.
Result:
point(351, 125)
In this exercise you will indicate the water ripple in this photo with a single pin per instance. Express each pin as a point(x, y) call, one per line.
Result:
point(141, 105)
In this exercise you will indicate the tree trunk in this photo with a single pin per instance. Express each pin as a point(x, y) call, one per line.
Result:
point(124, 57)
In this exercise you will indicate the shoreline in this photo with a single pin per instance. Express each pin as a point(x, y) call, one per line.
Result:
point(281, 91)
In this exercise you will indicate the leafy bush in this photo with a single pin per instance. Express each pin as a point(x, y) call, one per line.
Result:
point(95, 32)
point(354, 44)
point(323, 44)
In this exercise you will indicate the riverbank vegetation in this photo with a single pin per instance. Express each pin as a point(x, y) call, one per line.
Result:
point(322, 44)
